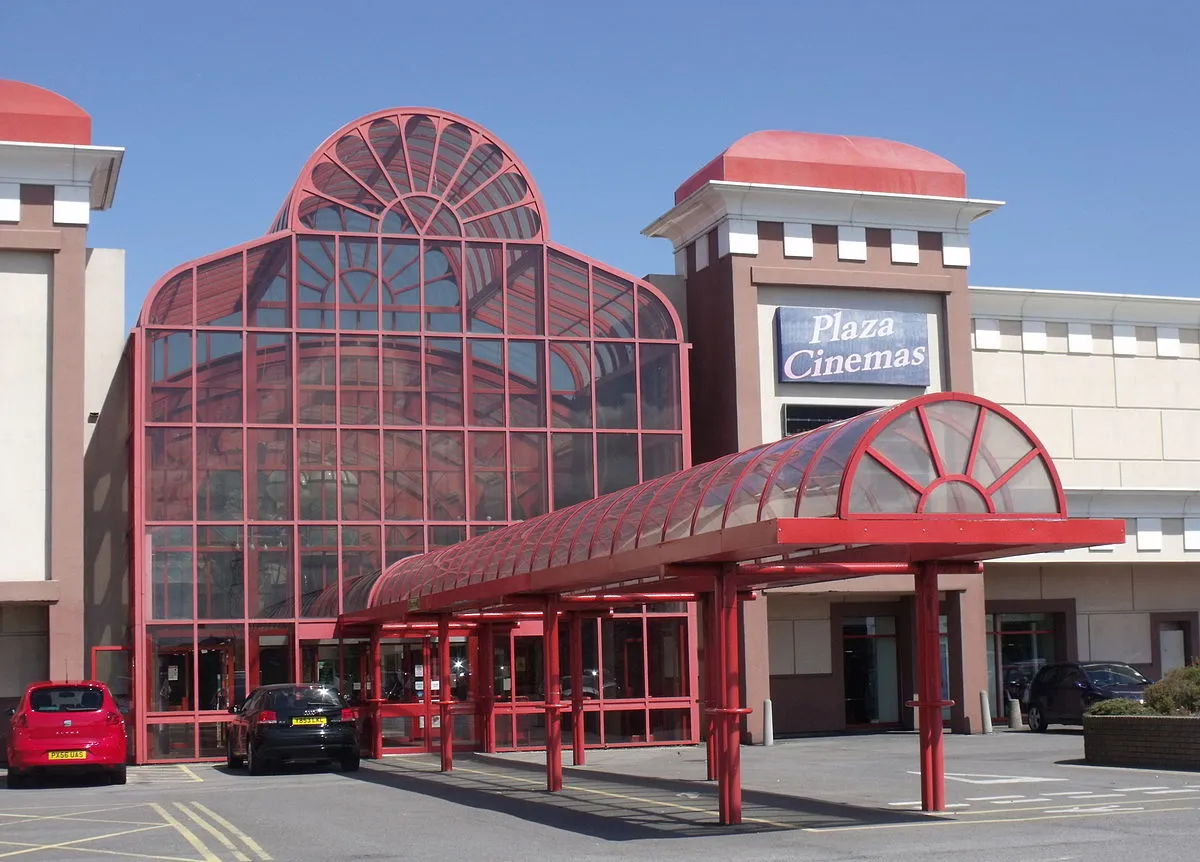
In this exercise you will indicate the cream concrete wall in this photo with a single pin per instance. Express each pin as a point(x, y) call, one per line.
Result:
point(774, 395)
point(104, 327)
point(24, 647)
point(24, 383)
point(1113, 601)
point(1109, 420)
point(799, 634)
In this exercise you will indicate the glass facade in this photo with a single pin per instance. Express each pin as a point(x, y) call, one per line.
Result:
point(405, 362)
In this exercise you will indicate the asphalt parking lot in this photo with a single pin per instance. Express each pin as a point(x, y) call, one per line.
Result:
point(1012, 795)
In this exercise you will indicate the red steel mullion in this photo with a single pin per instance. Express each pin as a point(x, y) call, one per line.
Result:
point(1013, 470)
point(506, 164)
point(931, 441)
point(976, 441)
point(899, 473)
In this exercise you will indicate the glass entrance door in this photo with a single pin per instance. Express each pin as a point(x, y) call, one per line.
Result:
point(870, 671)
point(405, 715)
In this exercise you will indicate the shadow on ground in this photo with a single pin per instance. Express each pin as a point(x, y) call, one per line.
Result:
point(610, 806)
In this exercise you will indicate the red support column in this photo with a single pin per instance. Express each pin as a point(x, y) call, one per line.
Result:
point(487, 689)
point(929, 689)
point(375, 703)
point(554, 777)
point(712, 681)
point(446, 719)
point(578, 752)
point(731, 771)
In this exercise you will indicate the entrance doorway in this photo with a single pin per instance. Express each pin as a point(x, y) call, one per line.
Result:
point(871, 671)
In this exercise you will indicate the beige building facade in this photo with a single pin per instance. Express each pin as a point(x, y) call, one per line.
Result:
point(1111, 384)
point(61, 333)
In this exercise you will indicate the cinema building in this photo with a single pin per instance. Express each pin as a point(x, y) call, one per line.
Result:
point(319, 427)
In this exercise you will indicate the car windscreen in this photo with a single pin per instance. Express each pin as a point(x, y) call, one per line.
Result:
point(1114, 675)
point(66, 698)
point(304, 698)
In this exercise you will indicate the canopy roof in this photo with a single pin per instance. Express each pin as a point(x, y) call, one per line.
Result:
point(943, 477)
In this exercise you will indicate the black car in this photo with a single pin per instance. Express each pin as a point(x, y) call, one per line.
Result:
point(1060, 693)
point(280, 723)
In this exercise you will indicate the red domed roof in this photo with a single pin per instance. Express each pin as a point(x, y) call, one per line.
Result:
point(831, 162)
point(37, 115)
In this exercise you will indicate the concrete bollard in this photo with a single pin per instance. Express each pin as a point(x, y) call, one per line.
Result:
point(985, 709)
point(916, 713)
point(1014, 714)
point(768, 723)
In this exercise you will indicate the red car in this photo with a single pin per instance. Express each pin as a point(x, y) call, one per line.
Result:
point(66, 727)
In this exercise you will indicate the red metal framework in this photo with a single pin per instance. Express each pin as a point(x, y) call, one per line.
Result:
point(950, 455)
point(404, 362)
point(935, 484)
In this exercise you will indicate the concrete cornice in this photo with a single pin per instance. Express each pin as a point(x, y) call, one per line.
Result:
point(1065, 305)
point(64, 165)
point(1133, 502)
point(720, 199)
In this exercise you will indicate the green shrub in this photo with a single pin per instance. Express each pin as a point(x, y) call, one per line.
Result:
point(1177, 693)
point(1119, 706)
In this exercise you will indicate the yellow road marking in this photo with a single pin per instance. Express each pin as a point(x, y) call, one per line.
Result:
point(940, 822)
point(188, 835)
point(38, 847)
point(189, 772)
point(214, 831)
point(68, 844)
point(30, 818)
point(249, 842)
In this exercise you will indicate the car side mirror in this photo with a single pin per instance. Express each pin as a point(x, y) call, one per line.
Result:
point(11, 711)
point(235, 709)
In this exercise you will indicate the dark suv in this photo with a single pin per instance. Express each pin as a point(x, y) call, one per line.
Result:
point(1060, 693)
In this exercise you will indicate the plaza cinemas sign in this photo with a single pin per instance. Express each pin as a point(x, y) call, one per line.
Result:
point(846, 345)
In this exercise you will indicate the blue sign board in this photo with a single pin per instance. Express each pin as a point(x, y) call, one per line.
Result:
point(849, 345)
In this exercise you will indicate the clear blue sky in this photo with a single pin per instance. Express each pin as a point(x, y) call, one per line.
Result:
point(1082, 115)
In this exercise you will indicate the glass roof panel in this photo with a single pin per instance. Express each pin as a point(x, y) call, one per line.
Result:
point(420, 136)
point(389, 146)
point(1001, 445)
point(877, 489)
point(953, 426)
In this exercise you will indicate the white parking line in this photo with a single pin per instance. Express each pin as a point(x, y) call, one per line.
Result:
point(991, 798)
point(1179, 790)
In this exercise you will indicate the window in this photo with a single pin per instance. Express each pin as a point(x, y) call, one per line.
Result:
point(799, 418)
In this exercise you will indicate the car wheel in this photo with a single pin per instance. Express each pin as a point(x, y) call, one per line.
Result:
point(15, 780)
point(254, 762)
point(1037, 721)
point(119, 775)
point(231, 759)
point(350, 763)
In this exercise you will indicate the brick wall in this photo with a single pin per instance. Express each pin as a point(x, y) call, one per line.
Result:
point(1167, 742)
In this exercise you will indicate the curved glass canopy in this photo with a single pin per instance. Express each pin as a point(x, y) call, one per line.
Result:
point(944, 455)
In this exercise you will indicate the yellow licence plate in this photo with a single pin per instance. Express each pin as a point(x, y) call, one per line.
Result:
point(316, 720)
point(67, 755)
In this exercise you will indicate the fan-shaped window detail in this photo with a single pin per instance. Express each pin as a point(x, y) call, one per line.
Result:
point(406, 362)
point(426, 174)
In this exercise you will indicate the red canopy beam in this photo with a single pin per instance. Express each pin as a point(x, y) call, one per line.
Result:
point(782, 571)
